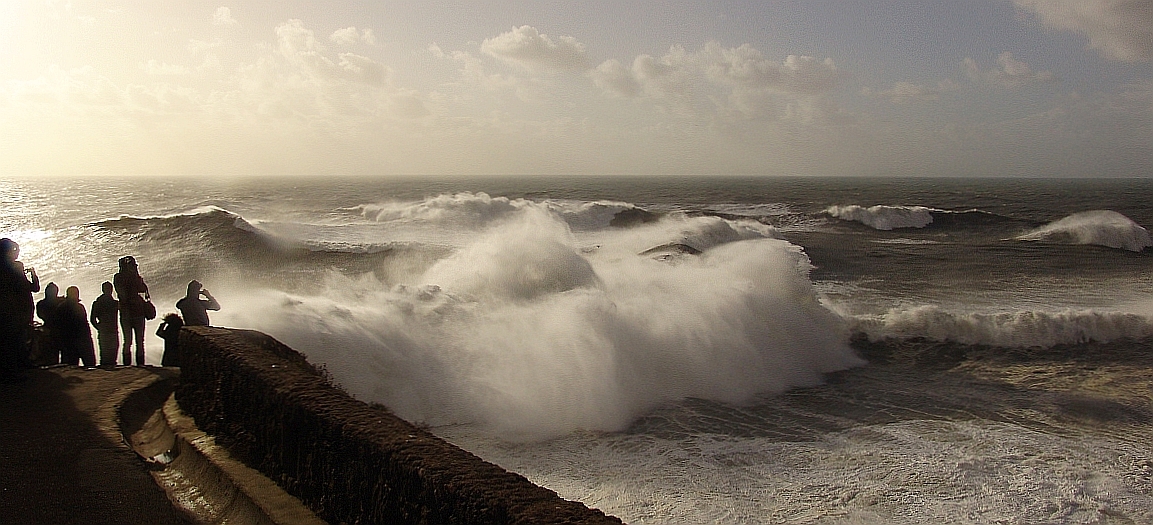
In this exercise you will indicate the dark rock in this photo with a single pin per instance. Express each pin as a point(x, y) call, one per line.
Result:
point(632, 217)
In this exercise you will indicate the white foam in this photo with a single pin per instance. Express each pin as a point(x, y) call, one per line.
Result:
point(1009, 329)
point(1099, 227)
point(884, 217)
point(587, 216)
point(480, 210)
point(528, 336)
point(458, 209)
point(910, 472)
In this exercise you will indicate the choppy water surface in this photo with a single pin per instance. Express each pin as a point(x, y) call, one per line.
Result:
point(690, 350)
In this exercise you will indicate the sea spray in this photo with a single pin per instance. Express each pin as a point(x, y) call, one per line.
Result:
point(884, 217)
point(530, 336)
point(1099, 227)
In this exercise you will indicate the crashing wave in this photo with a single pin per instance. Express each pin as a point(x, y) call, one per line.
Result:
point(1006, 329)
point(461, 209)
point(480, 210)
point(884, 217)
point(528, 335)
point(1098, 227)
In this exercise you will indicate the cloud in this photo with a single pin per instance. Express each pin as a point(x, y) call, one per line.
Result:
point(526, 46)
point(223, 17)
point(1011, 72)
point(747, 68)
point(1118, 29)
point(299, 45)
point(84, 92)
point(739, 82)
point(163, 68)
point(616, 79)
point(909, 91)
point(350, 35)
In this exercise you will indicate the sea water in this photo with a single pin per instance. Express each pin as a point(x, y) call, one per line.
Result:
point(688, 350)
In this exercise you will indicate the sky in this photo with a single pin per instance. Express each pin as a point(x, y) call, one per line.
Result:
point(1022, 88)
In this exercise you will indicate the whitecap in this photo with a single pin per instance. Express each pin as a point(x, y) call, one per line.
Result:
point(1098, 227)
point(884, 217)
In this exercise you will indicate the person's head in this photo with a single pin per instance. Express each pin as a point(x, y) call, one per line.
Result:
point(173, 318)
point(9, 249)
point(72, 293)
point(128, 262)
point(194, 288)
point(51, 290)
point(106, 287)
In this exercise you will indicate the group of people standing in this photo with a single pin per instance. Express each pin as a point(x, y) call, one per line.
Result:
point(66, 336)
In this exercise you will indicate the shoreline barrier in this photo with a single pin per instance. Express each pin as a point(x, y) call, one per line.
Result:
point(348, 461)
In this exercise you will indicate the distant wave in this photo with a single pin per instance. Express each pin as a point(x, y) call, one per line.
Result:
point(703, 233)
point(480, 210)
point(1098, 227)
point(206, 212)
point(1008, 329)
point(461, 209)
point(201, 227)
point(884, 217)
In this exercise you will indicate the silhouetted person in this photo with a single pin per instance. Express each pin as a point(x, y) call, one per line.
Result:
point(49, 353)
point(73, 332)
point(105, 310)
point(169, 331)
point(133, 293)
point(16, 308)
point(195, 309)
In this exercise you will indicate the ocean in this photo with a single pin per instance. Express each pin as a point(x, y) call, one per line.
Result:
point(688, 350)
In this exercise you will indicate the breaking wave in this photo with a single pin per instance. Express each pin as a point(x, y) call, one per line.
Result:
point(1006, 329)
point(530, 336)
point(480, 210)
point(1098, 227)
point(884, 217)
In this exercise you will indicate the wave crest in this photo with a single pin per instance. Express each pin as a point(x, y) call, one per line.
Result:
point(884, 217)
point(1007, 329)
point(480, 210)
point(1098, 227)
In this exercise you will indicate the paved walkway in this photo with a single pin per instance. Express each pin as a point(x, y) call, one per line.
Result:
point(62, 460)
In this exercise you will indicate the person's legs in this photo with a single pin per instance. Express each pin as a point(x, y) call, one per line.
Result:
point(87, 351)
point(68, 352)
point(139, 327)
point(9, 350)
point(126, 350)
point(109, 342)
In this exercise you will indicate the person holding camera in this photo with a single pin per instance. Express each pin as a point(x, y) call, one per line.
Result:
point(193, 308)
point(17, 284)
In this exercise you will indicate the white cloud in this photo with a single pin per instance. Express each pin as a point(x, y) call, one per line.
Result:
point(739, 82)
point(299, 45)
point(1118, 29)
point(909, 91)
point(616, 79)
point(526, 46)
point(200, 46)
point(163, 68)
point(351, 35)
point(746, 67)
point(223, 17)
point(82, 91)
point(1010, 72)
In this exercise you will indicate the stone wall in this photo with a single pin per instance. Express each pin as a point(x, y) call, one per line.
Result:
point(348, 461)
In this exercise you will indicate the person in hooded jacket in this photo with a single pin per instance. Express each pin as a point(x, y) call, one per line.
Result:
point(133, 294)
